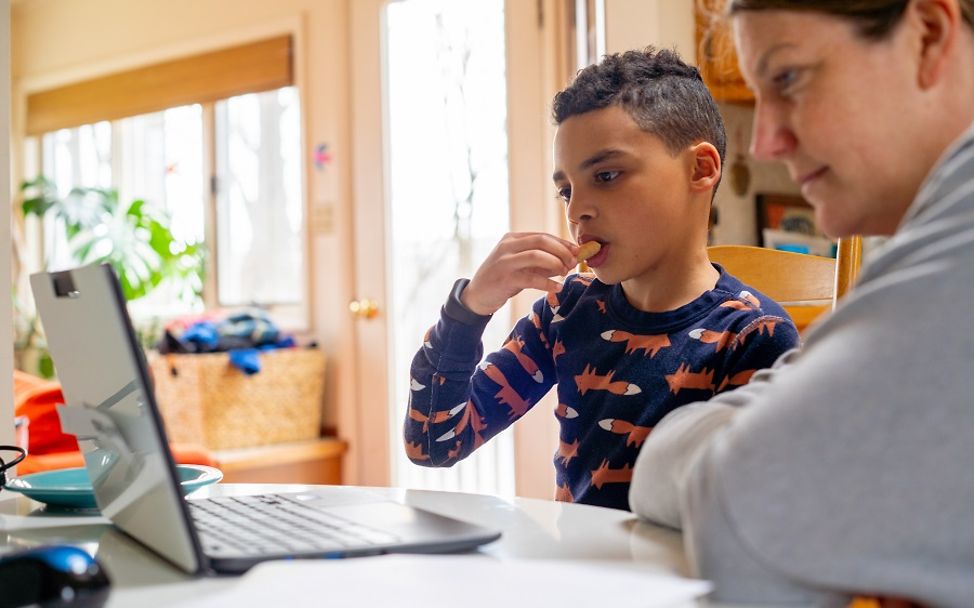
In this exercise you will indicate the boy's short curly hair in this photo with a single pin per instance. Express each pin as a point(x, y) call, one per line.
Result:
point(662, 94)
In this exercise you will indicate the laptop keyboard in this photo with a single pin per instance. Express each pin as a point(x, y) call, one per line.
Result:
point(276, 524)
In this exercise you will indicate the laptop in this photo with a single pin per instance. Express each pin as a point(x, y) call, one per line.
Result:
point(112, 411)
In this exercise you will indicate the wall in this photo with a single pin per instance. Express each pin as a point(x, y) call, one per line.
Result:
point(737, 215)
point(58, 41)
point(6, 314)
point(632, 24)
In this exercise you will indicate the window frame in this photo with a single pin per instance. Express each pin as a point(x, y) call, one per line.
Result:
point(292, 317)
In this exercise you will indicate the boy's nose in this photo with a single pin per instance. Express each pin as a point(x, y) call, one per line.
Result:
point(578, 210)
point(771, 138)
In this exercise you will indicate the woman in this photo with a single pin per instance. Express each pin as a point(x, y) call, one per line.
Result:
point(849, 467)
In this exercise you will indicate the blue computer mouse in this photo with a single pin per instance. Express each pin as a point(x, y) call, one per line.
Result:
point(57, 575)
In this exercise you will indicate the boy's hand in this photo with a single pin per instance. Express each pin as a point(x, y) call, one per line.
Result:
point(519, 261)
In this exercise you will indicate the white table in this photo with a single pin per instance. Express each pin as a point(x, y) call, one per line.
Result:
point(531, 529)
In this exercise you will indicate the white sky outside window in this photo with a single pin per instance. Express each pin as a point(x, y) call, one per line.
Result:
point(259, 206)
point(74, 157)
point(161, 162)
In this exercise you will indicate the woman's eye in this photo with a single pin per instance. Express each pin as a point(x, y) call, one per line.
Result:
point(565, 194)
point(606, 176)
point(785, 79)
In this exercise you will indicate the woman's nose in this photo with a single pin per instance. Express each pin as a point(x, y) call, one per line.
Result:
point(771, 138)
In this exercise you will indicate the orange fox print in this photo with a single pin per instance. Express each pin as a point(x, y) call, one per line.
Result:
point(559, 349)
point(684, 378)
point(536, 321)
point(764, 325)
point(604, 475)
point(566, 411)
point(636, 434)
point(585, 279)
point(553, 303)
point(601, 305)
point(722, 339)
point(451, 454)
point(590, 380)
point(564, 494)
point(736, 305)
point(515, 345)
point(507, 395)
point(567, 451)
point(415, 451)
point(436, 418)
point(419, 416)
point(739, 379)
point(651, 344)
point(472, 418)
point(748, 297)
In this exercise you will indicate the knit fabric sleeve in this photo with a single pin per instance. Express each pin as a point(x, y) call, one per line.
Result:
point(754, 344)
point(457, 402)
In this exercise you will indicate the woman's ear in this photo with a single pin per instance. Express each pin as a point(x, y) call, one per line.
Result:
point(937, 22)
point(706, 169)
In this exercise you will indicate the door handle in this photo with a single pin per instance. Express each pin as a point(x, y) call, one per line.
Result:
point(364, 308)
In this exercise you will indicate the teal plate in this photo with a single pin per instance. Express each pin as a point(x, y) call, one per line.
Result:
point(72, 487)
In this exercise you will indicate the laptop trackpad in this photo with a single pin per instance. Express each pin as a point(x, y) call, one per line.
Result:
point(337, 496)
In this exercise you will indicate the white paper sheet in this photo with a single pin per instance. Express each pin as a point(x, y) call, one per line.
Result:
point(407, 581)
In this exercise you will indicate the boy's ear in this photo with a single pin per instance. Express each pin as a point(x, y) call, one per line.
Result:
point(705, 172)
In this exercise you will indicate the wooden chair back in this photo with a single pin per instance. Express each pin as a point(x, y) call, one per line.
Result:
point(806, 285)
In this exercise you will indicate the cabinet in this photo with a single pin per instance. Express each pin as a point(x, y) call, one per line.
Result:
point(316, 461)
point(716, 56)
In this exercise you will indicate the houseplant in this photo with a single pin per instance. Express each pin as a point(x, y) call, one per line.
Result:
point(134, 238)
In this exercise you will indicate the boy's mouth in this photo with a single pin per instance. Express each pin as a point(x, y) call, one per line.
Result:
point(599, 257)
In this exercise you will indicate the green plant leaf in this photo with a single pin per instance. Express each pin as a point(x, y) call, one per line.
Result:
point(45, 365)
point(133, 238)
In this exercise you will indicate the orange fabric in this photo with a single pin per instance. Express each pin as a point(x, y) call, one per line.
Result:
point(37, 398)
point(48, 448)
point(35, 463)
point(183, 453)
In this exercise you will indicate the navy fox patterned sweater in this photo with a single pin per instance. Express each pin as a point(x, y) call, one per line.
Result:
point(619, 370)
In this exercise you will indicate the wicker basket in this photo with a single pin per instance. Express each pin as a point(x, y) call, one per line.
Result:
point(207, 401)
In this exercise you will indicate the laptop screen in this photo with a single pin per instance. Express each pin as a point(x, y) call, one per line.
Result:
point(103, 376)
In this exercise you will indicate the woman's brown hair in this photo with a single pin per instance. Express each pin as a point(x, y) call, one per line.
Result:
point(875, 18)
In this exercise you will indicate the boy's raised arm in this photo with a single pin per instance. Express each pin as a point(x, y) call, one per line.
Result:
point(521, 260)
point(455, 405)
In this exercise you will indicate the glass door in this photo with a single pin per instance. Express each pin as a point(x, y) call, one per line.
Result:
point(442, 145)
point(448, 195)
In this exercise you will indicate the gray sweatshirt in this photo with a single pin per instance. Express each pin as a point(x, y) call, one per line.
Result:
point(849, 466)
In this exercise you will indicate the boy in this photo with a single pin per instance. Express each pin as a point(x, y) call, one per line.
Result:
point(638, 156)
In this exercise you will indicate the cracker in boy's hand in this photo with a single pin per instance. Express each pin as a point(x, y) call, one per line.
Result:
point(587, 250)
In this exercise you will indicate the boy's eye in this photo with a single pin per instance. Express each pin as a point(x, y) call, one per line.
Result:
point(565, 194)
point(606, 176)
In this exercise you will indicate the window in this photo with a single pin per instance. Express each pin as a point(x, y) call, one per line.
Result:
point(259, 211)
point(256, 251)
point(214, 141)
point(74, 157)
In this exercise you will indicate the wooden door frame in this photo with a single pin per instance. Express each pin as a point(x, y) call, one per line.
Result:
point(6, 308)
point(366, 422)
